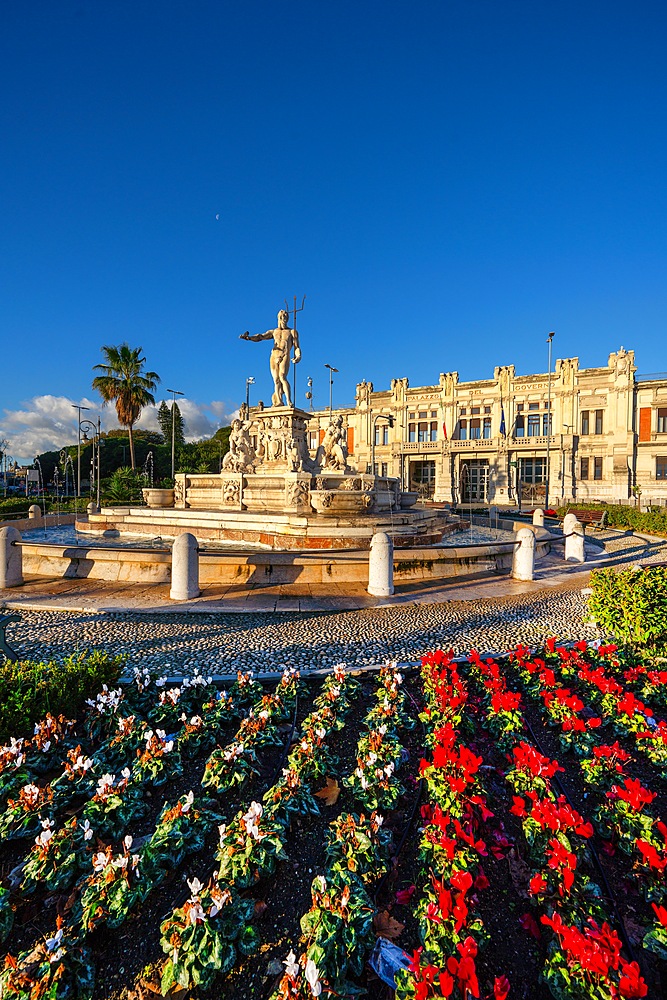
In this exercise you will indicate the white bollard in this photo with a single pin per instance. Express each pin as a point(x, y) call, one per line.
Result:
point(574, 543)
point(538, 518)
point(185, 568)
point(34, 512)
point(523, 563)
point(92, 508)
point(381, 565)
point(568, 522)
point(11, 558)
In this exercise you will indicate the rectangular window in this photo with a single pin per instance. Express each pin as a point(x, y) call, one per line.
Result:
point(383, 468)
point(598, 421)
point(434, 413)
point(385, 434)
point(533, 406)
point(519, 407)
point(412, 432)
point(411, 416)
point(463, 411)
point(434, 430)
point(475, 430)
point(519, 429)
point(487, 409)
point(475, 410)
point(533, 470)
point(486, 433)
point(422, 432)
point(585, 422)
point(423, 415)
point(312, 440)
point(376, 434)
point(662, 420)
point(583, 468)
point(661, 467)
point(597, 468)
point(533, 425)
point(463, 430)
point(546, 424)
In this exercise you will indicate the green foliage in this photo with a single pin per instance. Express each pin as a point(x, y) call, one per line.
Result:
point(653, 521)
point(6, 914)
point(29, 688)
point(164, 419)
point(631, 605)
point(125, 382)
point(15, 505)
point(124, 486)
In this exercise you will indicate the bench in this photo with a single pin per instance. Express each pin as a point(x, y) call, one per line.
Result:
point(596, 518)
point(4, 646)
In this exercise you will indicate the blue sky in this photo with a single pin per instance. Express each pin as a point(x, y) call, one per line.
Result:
point(445, 181)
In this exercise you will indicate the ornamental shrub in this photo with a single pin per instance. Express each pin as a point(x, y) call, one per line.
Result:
point(652, 520)
point(631, 605)
point(29, 688)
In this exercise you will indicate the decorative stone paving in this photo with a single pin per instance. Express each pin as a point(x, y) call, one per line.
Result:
point(181, 643)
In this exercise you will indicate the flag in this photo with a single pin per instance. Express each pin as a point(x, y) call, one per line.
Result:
point(444, 429)
point(503, 429)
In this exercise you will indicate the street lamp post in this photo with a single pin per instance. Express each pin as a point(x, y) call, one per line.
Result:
point(78, 408)
point(248, 382)
point(331, 371)
point(174, 393)
point(549, 422)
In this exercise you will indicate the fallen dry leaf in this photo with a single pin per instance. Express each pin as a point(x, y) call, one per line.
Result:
point(385, 926)
point(329, 794)
point(260, 909)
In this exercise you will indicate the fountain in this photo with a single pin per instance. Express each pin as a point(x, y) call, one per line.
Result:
point(274, 491)
point(147, 470)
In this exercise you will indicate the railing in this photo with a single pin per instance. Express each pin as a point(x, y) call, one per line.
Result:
point(421, 446)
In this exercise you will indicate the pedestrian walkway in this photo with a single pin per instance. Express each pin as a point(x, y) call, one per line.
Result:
point(42, 593)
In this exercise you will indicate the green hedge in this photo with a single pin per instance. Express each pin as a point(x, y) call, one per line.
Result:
point(29, 689)
point(631, 605)
point(653, 521)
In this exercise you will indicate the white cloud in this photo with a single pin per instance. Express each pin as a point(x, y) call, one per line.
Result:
point(46, 423)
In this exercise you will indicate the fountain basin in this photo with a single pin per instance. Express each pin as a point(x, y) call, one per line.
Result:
point(336, 502)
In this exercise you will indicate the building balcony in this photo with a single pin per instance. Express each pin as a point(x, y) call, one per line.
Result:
point(419, 446)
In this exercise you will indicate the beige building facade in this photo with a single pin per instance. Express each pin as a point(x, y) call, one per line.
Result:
point(581, 433)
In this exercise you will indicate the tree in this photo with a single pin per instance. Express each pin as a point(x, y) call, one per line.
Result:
point(164, 419)
point(125, 383)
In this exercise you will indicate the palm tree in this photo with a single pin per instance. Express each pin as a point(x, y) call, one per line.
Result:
point(126, 384)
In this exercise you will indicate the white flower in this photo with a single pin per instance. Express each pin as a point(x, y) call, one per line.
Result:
point(320, 733)
point(99, 861)
point(220, 898)
point(44, 837)
point(54, 942)
point(291, 965)
point(263, 714)
point(127, 841)
point(377, 821)
point(195, 888)
point(196, 913)
point(222, 830)
point(30, 793)
point(168, 746)
point(251, 819)
point(313, 978)
point(105, 784)
point(382, 729)
point(87, 830)
point(196, 720)
point(125, 773)
point(372, 757)
point(189, 799)
point(120, 862)
point(389, 769)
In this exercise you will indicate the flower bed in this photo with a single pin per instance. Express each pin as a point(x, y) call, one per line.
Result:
point(260, 841)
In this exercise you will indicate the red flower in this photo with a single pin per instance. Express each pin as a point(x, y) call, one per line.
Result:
point(481, 882)
point(537, 884)
point(661, 914)
point(631, 983)
point(634, 794)
point(528, 923)
point(403, 896)
point(501, 988)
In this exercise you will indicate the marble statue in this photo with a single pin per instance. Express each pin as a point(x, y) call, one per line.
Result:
point(284, 339)
point(332, 453)
point(241, 455)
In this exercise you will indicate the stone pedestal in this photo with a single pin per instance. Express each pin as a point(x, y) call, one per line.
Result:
point(185, 568)
point(34, 512)
point(381, 566)
point(11, 558)
point(538, 517)
point(523, 563)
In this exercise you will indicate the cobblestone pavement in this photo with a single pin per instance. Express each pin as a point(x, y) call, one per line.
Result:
point(179, 644)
